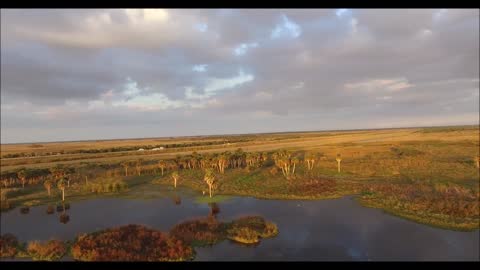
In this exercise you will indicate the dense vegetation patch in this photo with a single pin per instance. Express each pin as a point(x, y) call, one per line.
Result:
point(199, 232)
point(249, 230)
point(443, 205)
point(107, 185)
point(130, 243)
point(208, 231)
point(49, 251)
point(9, 246)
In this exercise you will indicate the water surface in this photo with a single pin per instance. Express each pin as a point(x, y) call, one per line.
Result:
point(337, 229)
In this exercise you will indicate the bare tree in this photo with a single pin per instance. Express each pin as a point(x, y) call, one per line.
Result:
point(339, 160)
point(175, 177)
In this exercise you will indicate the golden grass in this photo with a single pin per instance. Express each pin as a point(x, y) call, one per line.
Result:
point(349, 143)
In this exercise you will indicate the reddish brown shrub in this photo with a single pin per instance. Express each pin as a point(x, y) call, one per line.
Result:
point(8, 246)
point(130, 243)
point(199, 232)
point(314, 187)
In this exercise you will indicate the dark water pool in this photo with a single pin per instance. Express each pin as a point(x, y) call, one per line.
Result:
point(337, 229)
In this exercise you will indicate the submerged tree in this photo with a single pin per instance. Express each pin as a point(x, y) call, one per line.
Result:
point(339, 160)
point(175, 177)
point(209, 178)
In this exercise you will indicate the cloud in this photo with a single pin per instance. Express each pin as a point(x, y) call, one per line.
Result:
point(286, 28)
point(242, 48)
point(73, 74)
point(215, 84)
point(395, 84)
point(200, 68)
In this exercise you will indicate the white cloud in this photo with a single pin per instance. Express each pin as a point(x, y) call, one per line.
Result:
point(299, 85)
point(189, 94)
point(202, 27)
point(216, 84)
point(244, 47)
point(200, 68)
point(131, 88)
point(354, 25)
point(341, 11)
point(152, 102)
point(146, 16)
point(394, 84)
point(286, 28)
point(262, 95)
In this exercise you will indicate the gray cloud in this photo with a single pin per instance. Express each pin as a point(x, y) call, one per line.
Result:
point(68, 74)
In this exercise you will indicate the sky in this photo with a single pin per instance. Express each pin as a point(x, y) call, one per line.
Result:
point(127, 73)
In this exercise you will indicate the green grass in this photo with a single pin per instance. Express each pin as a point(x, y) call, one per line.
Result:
point(436, 220)
point(438, 156)
point(215, 199)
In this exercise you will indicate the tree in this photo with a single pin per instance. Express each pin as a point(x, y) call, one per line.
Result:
point(138, 166)
point(125, 165)
point(222, 162)
point(57, 171)
point(285, 161)
point(209, 178)
point(48, 185)
point(68, 172)
point(339, 160)
point(310, 159)
point(162, 165)
point(61, 184)
point(294, 161)
point(22, 175)
point(175, 177)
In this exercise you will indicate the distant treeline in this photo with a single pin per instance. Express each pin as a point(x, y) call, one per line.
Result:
point(123, 148)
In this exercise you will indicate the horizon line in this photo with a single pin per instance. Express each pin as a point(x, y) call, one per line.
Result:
point(239, 134)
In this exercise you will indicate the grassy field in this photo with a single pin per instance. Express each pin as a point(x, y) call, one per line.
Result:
point(428, 175)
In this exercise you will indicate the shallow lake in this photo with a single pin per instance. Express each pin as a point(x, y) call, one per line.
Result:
point(338, 229)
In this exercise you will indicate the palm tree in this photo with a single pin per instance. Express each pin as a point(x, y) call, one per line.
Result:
point(294, 161)
point(310, 159)
point(175, 177)
point(209, 178)
point(57, 171)
point(162, 165)
point(61, 185)
point(339, 160)
point(125, 165)
point(22, 175)
point(138, 166)
point(222, 162)
point(48, 185)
